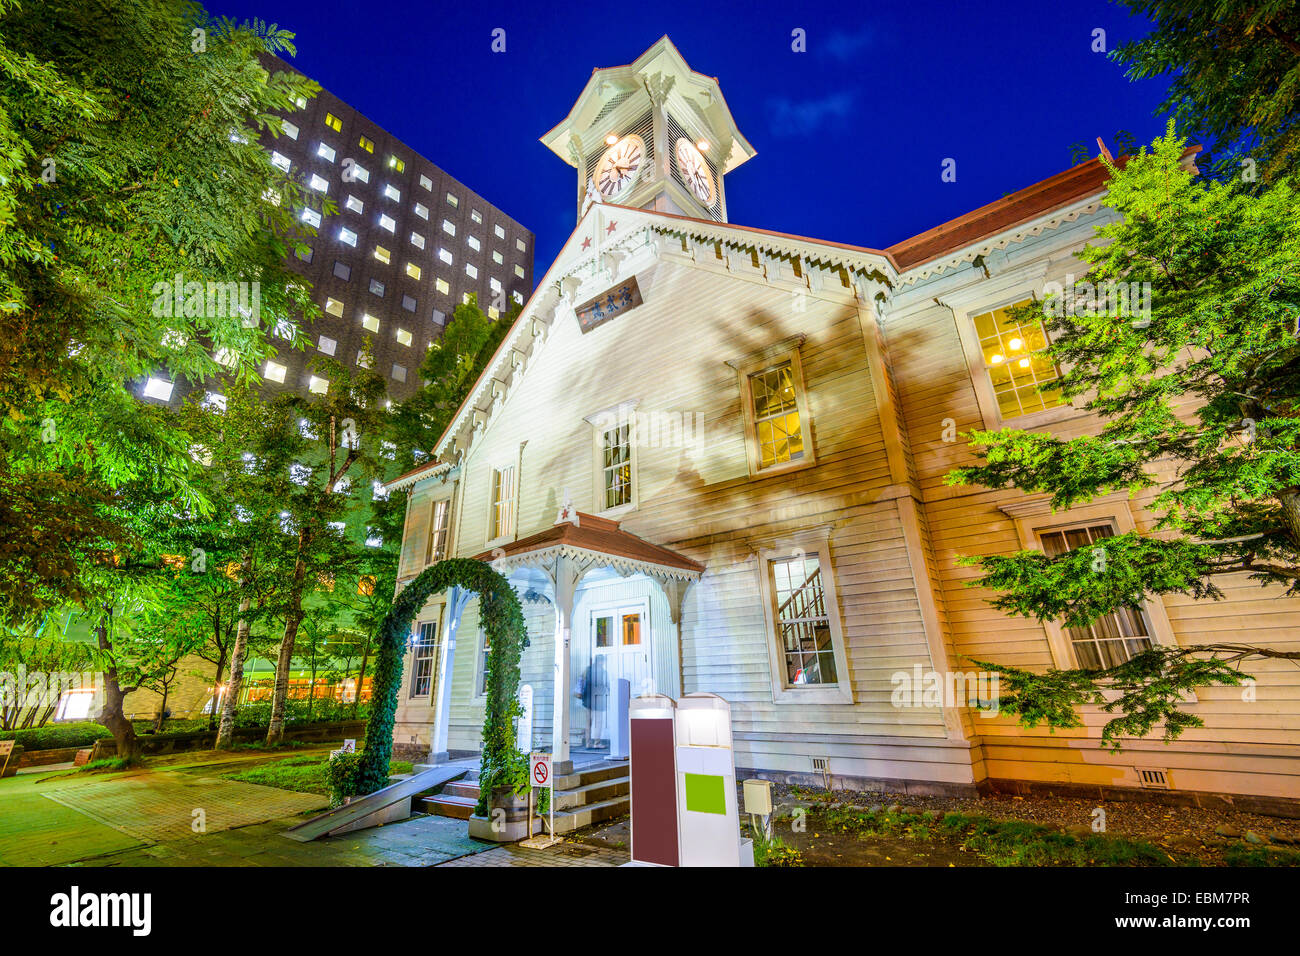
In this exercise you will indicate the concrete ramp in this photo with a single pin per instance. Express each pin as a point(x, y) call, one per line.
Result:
point(388, 805)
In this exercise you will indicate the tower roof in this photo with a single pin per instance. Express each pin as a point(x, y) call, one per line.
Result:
point(661, 64)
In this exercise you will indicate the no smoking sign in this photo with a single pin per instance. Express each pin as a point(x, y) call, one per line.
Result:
point(539, 769)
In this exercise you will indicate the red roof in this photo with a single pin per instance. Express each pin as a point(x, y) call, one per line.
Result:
point(596, 534)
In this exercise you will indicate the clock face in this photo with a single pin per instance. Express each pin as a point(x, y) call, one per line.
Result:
point(619, 166)
point(695, 171)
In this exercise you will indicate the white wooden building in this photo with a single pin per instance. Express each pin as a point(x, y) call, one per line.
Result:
point(711, 458)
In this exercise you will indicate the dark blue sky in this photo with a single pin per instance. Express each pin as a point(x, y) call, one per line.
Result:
point(850, 135)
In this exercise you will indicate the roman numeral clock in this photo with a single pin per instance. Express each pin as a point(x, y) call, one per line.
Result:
point(654, 135)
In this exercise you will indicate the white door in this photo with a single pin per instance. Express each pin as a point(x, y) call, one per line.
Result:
point(620, 650)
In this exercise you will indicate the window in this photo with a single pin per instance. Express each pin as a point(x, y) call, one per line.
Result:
point(616, 463)
point(426, 182)
point(519, 271)
point(498, 231)
point(403, 337)
point(485, 648)
point(413, 270)
point(442, 286)
point(1113, 638)
point(774, 395)
point(348, 236)
point(438, 525)
point(382, 255)
point(377, 288)
point(803, 623)
point(369, 322)
point(494, 312)
point(325, 152)
point(362, 360)
point(439, 317)
point(473, 243)
point(367, 144)
point(1015, 362)
point(518, 297)
point(399, 373)
point(317, 385)
point(289, 129)
point(319, 184)
point(387, 222)
point(392, 192)
point(214, 401)
point(449, 227)
point(408, 303)
point(274, 372)
point(327, 345)
point(494, 284)
point(397, 165)
point(305, 254)
point(342, 270)
point(311, 217)
point(417, 240)
point(519, 244)
point(501, 519)
point(445, 255)
point(476, 215)
point(471, 270)
point(425, 653)
point(333, 122)
point(356, 171)
point(280, 161)
point(452, 200)
point(355, 204)
point(159, 389)
point(422, 210)
point(498, 258)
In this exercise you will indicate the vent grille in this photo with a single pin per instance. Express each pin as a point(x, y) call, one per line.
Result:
point(822, 765)
point(1154, 779)
point(675, 132)
point(613, 104)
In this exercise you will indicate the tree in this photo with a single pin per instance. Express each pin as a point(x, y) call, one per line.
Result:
point(1207, 384)
point(1235, 69)
point(139, 237)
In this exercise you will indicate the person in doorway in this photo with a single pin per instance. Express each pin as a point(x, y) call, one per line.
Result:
point(585, 691)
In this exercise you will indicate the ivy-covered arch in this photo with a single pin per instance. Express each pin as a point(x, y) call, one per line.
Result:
point(503, 621)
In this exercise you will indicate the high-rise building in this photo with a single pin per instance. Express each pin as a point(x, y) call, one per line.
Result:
point(407, 244)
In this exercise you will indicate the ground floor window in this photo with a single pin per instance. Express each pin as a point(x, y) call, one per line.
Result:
point(424, 655)
point(803, 624)
point(1113, 638)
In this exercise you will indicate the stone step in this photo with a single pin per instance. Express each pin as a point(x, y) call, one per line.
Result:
point(592, 793)
point(566, 821)
point(594, 774)
point(460, 789)
point(456, 807)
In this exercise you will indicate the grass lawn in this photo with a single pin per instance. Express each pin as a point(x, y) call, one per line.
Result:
point(305, 773)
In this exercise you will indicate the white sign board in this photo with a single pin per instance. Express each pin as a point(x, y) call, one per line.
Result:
point(349, 746)
point(539, 769)
point(6, 748)
point(524, 728)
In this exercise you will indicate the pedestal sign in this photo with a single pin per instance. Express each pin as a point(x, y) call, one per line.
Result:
point(6, 748)
point(524, 728)
point(540, 775)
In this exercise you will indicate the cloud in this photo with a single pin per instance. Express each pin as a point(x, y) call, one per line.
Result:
point(846, 46)
point(805, 117)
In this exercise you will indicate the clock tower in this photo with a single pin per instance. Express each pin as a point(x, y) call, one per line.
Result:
point(652, 134)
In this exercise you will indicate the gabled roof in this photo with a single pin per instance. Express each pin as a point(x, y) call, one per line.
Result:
point(597, 536)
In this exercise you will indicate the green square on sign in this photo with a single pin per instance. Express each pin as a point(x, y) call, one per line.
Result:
point(706, 793)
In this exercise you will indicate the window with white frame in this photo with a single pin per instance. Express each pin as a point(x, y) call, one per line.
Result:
point(485, 649)
point(289, 129)
point(1015, 362)
point(502, 516)
point(802, 617)
point(426, 182)
point(1113, 638)
point(424, 656)
point(417, 240)
point(325, 152)
point(355, 204)
point(422, 210)
point(776, 414)
point(311, 217)
point(387, 222)
point(392, 192)
point(439, 523)
point(319, 184)
point(616, 463)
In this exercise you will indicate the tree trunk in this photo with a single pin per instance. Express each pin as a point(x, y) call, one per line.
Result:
point(1290, 500)
point(226, 732)
point(361, 679)
point(280, 695)
point(162, 710)
point(216, 690)
point(128, 744)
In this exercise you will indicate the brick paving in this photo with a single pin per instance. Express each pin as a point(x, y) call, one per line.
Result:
point(562, 854)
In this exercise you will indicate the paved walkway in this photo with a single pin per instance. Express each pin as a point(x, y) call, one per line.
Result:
point(152, 817)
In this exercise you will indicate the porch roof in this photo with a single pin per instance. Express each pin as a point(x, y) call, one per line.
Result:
point(592, 536)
